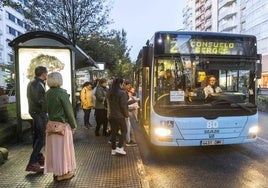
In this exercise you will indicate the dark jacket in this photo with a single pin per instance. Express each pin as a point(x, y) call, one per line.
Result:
point(117, 106)
point(100, 94)
point(36, 96)
point(59, 107)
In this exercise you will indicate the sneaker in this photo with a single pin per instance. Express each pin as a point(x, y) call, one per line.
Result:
point(86, 126)
point(67, 176)
point(131, 143)
point(120, 151)
point(110, 142)
point(35, 167)
point(113, 152)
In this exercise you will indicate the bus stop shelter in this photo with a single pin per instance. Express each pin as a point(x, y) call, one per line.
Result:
point(44, 48)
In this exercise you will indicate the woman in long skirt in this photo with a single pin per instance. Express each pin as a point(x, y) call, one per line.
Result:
point(59, 149)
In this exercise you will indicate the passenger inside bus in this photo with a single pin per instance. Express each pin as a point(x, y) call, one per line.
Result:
point(211, 87)
point(167, 79)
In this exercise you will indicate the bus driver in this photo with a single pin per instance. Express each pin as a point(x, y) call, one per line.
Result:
point(211, 87)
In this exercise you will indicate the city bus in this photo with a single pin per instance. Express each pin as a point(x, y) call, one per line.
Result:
point(175, 68)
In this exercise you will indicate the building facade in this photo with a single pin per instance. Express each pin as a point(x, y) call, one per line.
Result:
point(189, 16)
point(256, 23)
point(201, 15)
point(11, 26)
point(229, 16)
point(232, 16)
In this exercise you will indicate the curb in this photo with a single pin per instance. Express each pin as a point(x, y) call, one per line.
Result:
point(141, 169)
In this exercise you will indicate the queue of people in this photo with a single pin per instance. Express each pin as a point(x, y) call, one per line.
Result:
point(115, 105)
point(112, 106)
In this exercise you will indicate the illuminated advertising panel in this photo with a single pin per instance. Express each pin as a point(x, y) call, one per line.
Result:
point(54, 59)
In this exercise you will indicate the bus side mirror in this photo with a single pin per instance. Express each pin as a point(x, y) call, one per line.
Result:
point(147, 56)
point(258, 70)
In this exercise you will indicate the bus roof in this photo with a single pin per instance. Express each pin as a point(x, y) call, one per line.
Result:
point(205, 43)
point(204, 33)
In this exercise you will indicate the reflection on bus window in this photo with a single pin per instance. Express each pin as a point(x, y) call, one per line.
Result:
point(191, 76)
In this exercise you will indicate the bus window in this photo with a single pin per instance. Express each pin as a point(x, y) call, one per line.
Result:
point(188, 76)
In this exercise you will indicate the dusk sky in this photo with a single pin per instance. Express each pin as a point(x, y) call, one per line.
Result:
point(142, 18)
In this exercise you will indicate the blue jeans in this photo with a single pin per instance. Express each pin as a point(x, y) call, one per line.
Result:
point(39, 136)
point(130, 122)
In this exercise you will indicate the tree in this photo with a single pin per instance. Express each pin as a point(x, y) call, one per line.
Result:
point(110, 47)
point(73, 19)
point(84, 23)
point(10, 3)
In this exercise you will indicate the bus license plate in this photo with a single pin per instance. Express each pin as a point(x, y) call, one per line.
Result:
point(211, 142)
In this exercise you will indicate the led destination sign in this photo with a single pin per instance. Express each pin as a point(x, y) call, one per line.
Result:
point(189, 44)
point(204, 47)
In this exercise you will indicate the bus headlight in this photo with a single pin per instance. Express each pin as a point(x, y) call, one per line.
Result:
point(253, 130)
point(162, 132)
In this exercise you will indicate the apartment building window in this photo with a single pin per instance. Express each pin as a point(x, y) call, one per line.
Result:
point(1, 56)
point(20, 22)
point(11, 17)
point(20, 11)
point(11, 31)
point(27, 27)
point(208, 21)
point(10, 57)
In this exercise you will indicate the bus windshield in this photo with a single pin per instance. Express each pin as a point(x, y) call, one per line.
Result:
point(182, 83)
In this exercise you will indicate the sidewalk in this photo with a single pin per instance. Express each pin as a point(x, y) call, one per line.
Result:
point(96, 167)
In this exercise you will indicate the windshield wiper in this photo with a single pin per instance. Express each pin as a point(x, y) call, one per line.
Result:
point(232, 104)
